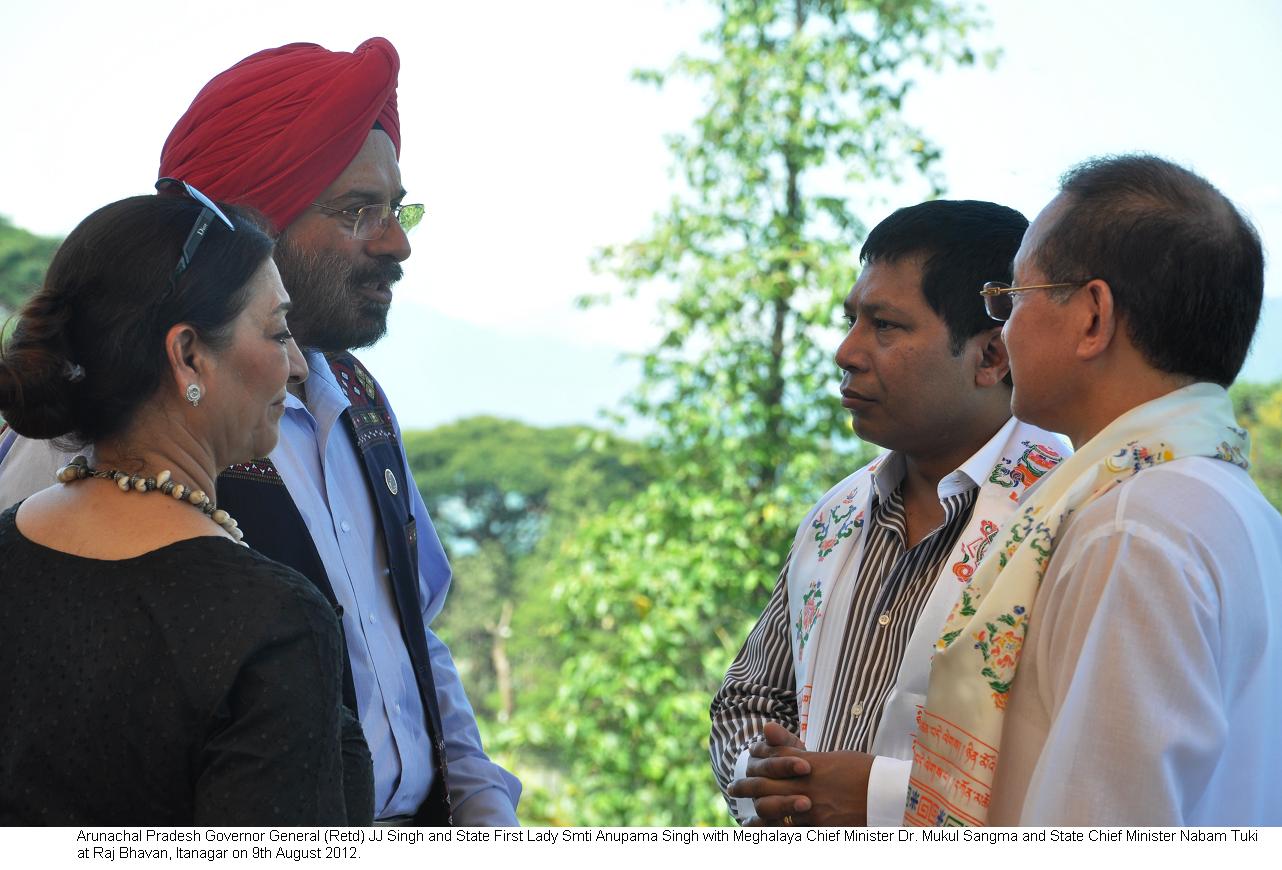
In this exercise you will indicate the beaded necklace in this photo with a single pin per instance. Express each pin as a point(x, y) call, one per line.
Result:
point(78, 469)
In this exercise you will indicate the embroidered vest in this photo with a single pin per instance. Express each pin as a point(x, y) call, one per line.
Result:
point(255, 494)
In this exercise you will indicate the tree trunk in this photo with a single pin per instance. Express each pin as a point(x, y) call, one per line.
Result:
point(772, 397)
point(502, 667)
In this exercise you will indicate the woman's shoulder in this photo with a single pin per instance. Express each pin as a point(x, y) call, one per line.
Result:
point(223, 601)
point(193, 569)
point(223, 565)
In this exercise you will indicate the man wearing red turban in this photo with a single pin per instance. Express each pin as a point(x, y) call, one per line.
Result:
point(275, 129)
point(311, 138)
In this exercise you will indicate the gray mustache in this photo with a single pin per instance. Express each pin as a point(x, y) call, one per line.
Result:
point(388, 272)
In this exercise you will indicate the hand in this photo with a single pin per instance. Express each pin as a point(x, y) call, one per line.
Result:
point(773, 767)
point(813, 788)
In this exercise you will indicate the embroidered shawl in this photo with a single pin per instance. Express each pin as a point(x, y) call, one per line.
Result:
point(957, 745)
point(828, 550)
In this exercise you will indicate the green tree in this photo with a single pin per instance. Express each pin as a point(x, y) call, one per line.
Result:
point(1259, 409)
point(649, 601)
point(24, 257)
point(487, 483)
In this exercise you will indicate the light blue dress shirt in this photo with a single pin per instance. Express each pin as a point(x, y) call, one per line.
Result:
point(325, 479)
point(327, 483)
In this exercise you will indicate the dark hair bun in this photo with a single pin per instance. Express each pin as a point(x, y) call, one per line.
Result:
point(36, 391)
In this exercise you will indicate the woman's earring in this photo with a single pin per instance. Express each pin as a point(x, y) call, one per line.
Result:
point(193, 394)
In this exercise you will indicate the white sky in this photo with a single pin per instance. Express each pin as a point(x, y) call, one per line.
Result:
point(531, 146)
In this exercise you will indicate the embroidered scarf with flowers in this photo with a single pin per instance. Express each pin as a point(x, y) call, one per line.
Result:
point(957, 746)
point(827, 552)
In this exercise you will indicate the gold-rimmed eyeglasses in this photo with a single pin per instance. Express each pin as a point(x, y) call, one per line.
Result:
point(999, 297)
point(371, 221)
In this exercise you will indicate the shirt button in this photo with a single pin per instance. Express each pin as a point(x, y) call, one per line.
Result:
point(883, 620)
point(397, 708)
point(372, 619)
point(857, 710)
point(345, 526)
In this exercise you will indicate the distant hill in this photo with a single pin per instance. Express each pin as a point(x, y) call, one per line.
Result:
point(438, 369)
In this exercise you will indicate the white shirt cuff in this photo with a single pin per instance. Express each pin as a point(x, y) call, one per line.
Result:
point(887, 791)
point(743, 808)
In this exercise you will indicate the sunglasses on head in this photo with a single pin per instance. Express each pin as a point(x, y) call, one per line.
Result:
point(203, 220)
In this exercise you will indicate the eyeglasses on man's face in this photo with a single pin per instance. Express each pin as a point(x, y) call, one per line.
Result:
point(999, 297)
point(371, 221)
point(197, 234)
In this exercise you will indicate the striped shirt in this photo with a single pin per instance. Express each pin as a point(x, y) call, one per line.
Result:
point(892, 587)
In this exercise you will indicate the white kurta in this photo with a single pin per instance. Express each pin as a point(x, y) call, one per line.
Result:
point(1150, 692)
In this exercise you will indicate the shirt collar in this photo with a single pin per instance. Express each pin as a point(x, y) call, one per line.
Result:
point(325, 399)
point(888, 474)
point(971, 474)
point(974, 472)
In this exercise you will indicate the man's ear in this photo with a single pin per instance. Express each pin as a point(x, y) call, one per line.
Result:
point(1099, 324)
point(188, 356)
point(994, 361)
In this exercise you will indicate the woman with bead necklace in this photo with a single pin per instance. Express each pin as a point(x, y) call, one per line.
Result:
point(153, 669)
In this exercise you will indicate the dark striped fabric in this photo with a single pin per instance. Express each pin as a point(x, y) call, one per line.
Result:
point(891, 592)
point(892, 588)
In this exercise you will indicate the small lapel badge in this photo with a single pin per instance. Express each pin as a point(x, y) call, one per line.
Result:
point(390, 480)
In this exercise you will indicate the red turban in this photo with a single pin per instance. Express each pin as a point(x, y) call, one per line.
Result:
point(277, 128)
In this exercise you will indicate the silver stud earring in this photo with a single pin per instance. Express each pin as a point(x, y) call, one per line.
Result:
point(193, 394)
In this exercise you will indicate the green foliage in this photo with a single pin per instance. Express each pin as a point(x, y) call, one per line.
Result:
point(491, 486)
point(486, 479)
point(1259, 409)
point(803, 106)
point(24, 257)
point(646, 602)
point(645, 605)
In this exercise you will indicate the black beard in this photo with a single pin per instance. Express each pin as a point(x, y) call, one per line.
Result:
point(328, 311)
